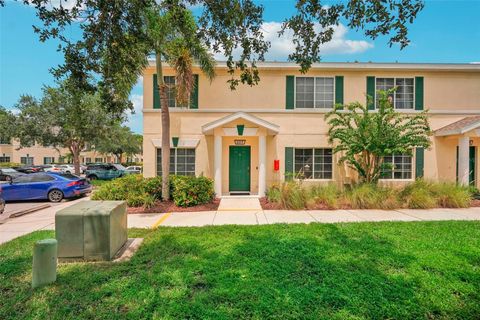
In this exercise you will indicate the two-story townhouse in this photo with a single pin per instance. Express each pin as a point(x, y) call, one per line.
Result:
point(251, 137)
point(11, 152)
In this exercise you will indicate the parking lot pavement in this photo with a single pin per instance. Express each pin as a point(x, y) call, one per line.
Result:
point(20, 208)
point(40, 220)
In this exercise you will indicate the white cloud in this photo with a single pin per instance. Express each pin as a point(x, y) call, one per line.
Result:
point(475, 62)
point(282, 46)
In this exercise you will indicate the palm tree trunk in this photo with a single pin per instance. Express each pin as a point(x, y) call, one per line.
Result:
point(165, 129)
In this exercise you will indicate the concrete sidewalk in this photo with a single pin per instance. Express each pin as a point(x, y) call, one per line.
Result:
point(257, 217)
point(45, 219)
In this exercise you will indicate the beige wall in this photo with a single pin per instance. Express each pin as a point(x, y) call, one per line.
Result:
point(450, 96)
point(442, 90)
point(37, 152)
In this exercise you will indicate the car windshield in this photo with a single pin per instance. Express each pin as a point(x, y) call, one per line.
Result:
point(9, 170)
point(119, 167)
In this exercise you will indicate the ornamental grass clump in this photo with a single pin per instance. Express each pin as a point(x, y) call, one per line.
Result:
point(293, 195)
point(273, 194)
point(370, 196)
point(418, 195)
point(326, 195)
point(451, 195)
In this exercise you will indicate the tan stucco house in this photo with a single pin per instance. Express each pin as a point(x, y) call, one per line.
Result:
point(11, 152)
point(249, 138)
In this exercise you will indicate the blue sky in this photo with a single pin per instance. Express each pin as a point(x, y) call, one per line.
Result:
point(445, 31)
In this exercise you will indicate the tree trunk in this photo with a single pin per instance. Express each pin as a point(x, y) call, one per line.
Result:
point(165, 129)
point(75, 150)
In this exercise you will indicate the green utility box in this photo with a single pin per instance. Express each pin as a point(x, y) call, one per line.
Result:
point(91, 230)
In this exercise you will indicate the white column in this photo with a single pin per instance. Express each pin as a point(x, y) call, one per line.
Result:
point(262, 159)
point(217, 165)
point(463, 160)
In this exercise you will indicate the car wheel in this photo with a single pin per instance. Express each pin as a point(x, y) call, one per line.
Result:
point(92, 177)
point(55, 195)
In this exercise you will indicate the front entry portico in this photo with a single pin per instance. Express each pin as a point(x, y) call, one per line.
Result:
point(240, 153)
point(467, 134)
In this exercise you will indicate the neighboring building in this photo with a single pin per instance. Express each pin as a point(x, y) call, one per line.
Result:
point(10, 151)
point(249, 138)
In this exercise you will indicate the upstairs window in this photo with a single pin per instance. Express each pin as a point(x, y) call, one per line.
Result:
point(170, 82)
point(4, 140)
point(402, 167)
point(182, 162)
point(314, 92)
point(313, 163)
point(403, 98)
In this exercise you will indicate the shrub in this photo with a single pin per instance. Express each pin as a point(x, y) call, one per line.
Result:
point(451, 195)
point(188, 191)
point(327, 195)
point(293, 195)
point(370, 196)
point(418, 195)
point(9, 164)
point(153, 186)
point(273, 194)
point(135, 189)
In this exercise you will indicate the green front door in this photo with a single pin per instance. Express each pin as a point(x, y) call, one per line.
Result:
point(239, 169)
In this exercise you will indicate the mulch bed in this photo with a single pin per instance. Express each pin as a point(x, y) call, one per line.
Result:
point(169, 206)
point(475, 203)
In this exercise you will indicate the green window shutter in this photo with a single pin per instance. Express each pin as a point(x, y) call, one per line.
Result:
point(419, 162)
point(194, 97)
point(156, 96)
point(339, 90)
point(288, 163)
point(371, 92)
point(290, 98)
point(418, 93)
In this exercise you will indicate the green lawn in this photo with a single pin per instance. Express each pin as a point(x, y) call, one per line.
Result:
point(424, 270)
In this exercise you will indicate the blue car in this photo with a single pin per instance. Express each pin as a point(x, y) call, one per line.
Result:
point(45, 186)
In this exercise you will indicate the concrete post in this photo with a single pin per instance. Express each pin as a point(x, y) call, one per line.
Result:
point(217, 165)
point(44, 270)
point(262, 159)
point(463, 160)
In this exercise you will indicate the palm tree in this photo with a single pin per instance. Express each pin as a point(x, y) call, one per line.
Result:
point(173, 34)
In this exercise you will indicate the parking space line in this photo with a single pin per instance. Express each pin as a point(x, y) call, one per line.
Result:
point(161, 220)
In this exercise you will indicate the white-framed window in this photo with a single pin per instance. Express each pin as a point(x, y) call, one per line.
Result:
point(4, 159)
point(314, 92)
point(98, 160)
point(402, 167)
point(170, 82)
point(48, 160)
point(404, 96)
point(28, 161)
point(88, 160)
point(4, 140)
point(313, 163)
point(182, 161)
